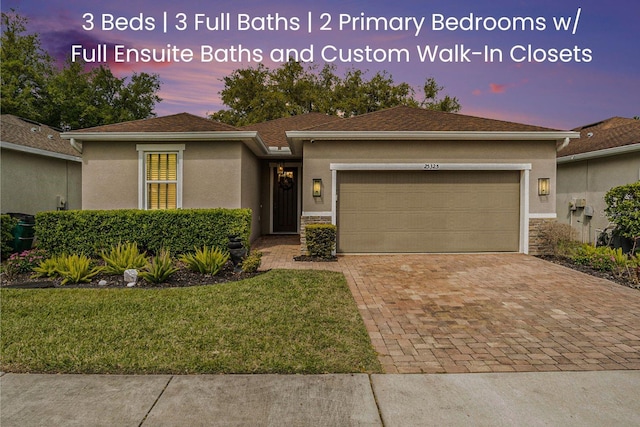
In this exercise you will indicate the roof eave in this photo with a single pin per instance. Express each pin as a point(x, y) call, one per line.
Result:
point(607, 152)
point(39, 151)
point(295, 138)
point(250, 138)
point(431, 135)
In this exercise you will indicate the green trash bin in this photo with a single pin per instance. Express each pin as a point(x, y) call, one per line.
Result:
point(24, 232)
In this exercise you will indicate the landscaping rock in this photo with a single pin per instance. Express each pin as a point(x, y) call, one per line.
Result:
point(131, 277)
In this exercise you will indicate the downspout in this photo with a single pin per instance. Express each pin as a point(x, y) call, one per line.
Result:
point(75, 145)
point(564, 144)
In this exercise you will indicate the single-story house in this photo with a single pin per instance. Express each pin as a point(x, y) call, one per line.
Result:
point(607, 155)
point(397, 180)
point(40, 170)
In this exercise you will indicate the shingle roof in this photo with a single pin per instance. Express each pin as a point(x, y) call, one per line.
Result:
point(273, 131)
point(609, 133)
point(182, 122)
point(34, 135)
point(414, 119)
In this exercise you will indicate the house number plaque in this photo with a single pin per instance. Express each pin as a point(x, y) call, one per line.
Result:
point(431, 166)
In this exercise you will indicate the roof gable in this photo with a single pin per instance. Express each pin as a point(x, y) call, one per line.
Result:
point(33, 135)
point(182, 122)
point(273, 132)
point(610, 133)
point(413, 119)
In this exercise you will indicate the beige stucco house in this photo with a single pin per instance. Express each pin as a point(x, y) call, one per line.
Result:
point(606, 155)
point(398, 180)
point(40, 171)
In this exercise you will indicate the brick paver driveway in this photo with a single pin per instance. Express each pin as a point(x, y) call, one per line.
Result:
point(484, 312)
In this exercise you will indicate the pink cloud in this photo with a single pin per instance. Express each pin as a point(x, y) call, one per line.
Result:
point(497, 88)
point(476, 92)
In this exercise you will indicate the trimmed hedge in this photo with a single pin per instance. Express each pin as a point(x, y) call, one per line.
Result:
point(177, 230)
point(321, 239)
point(6, 236)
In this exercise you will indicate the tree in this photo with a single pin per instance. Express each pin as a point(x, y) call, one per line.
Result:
point(82, 99)
point(258, 94)
point(25, 69)
point(431, 101)
point(73, 96)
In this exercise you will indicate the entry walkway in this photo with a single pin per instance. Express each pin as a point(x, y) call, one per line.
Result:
point(453, 313)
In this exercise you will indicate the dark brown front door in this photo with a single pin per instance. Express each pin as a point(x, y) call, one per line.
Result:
point(285, 201)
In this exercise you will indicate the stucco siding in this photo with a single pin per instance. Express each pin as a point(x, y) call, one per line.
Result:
point(250, 188)
point(212, 175)
point(32, 183)
point(590, 180)
point(110, 175)
point(319, 155)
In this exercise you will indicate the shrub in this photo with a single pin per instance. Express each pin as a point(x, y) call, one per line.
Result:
point(23, 262)
point(252, 262)
point(620, 260)
point(623, 209)
point(159, 268)
point(6, 237)
point(49, 267)
point(557, 237)
point(76, 269)
point(207, 260)
point(602, 259)
point(177, 230)
point(634, 267)
point(321, 239)
point(122, 257)
point(583, 254)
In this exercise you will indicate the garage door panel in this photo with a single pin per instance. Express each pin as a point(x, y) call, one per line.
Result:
point(415, 211)
point(435, 241)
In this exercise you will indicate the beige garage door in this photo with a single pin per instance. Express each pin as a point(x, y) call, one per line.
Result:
point(428, 211)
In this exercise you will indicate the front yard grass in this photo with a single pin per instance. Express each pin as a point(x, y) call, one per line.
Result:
point(282, 321)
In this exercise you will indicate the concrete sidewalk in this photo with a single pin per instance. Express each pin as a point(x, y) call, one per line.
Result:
point(549, 398)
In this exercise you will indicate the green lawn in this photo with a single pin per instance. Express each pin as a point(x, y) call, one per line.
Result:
point(282, 321)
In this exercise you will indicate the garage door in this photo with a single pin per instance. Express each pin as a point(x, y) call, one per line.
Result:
point(428, 211)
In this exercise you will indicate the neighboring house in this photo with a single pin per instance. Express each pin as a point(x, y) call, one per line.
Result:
point(398, 180)
point(606, 155)
point(40, 171)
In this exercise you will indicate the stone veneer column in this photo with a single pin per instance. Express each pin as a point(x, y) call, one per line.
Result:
point(536, 245)
point(304, 221)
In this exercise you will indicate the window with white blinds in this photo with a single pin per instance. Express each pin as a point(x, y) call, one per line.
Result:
point(162, 180)
point(160, 176)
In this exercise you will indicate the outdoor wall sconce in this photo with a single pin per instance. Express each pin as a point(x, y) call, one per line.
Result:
point(544, 186)
point(280, 169)
point(317, 187)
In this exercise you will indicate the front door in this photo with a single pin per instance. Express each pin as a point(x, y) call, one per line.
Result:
point(285, 201)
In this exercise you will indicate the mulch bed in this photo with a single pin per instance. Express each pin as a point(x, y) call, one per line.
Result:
point(182, 278)
point(625, 280)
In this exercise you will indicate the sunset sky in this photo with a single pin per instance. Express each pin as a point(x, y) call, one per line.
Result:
point(597, 78)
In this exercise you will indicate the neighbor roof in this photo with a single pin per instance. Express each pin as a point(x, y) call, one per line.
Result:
point(412, 119)
point(607, 134)
point(26, 135)
point(273, 132)
point(182, 122)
